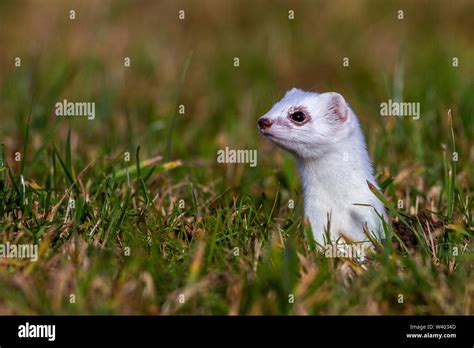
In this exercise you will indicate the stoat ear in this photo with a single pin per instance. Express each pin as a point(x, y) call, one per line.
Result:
point(292, 91)
point(337, 107)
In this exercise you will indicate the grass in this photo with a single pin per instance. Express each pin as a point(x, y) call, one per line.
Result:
point(156, 218)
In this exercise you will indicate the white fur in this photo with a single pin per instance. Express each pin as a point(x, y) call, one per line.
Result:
point(333, 162)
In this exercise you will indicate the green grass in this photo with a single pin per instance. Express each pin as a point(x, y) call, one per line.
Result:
point(172, 221)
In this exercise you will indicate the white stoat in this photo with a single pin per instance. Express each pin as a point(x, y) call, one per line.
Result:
point(323, 134)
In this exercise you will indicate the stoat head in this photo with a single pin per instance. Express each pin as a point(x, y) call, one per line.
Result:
point(307, 124)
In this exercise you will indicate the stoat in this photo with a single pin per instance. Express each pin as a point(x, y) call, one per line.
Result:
point(323, 134)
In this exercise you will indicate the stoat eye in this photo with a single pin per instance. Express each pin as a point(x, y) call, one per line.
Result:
point(298, 117)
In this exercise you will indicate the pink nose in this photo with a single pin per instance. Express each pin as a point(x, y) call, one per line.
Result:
point(264, 123)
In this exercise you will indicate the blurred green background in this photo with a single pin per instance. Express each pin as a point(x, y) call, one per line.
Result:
point(83, 60)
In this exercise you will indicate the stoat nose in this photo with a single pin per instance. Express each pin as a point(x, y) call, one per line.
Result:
point(264, 123)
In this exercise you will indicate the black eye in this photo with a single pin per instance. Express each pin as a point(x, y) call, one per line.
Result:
point(298, 116)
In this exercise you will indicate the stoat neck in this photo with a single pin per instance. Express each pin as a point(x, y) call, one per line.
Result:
point(344, 168)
